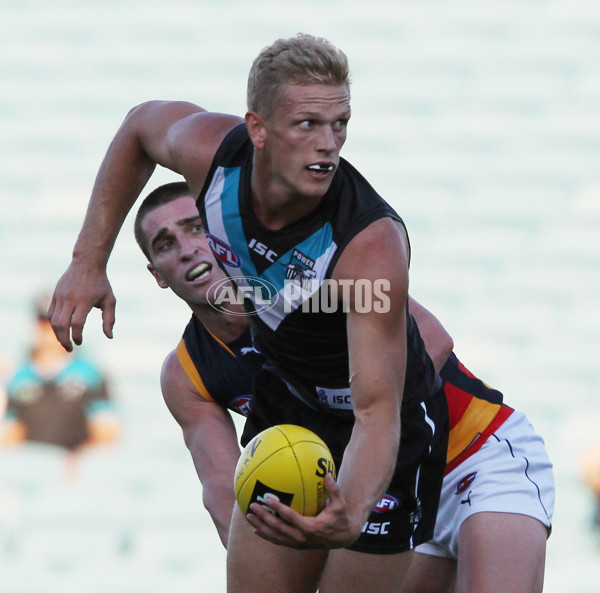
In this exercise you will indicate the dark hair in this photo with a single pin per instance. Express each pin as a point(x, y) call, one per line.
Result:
point(158, 197)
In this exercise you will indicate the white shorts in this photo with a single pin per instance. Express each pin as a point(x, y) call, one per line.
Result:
point(511, 473)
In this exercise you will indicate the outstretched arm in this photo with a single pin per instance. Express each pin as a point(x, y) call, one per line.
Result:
point(180, 136)
point(211, 438)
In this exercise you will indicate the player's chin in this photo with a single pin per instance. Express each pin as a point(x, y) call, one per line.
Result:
point(316, 188)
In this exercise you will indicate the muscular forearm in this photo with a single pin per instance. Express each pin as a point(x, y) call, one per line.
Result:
point(212, 443)
point(124, 172)
point(377, 353)
point(219, 500)
point(369, 462)
point(370, 457)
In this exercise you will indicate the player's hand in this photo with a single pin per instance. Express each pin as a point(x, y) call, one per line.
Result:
point(331, 528)
point(79, 290)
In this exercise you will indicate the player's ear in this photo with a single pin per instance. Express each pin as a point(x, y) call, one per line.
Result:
point(256, 129)
point(157, 277)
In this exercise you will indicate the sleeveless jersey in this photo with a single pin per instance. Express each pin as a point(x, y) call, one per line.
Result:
point(222, 373)
point(281, 271)
point(476, 410)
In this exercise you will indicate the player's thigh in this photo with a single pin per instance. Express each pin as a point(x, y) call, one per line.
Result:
point(255, 565)
point(357, 572)
point(430, 574)
point(501, 553)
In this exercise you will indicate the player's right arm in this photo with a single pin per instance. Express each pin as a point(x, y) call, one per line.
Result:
point(177, 135)
point(211, 438)
point(377, 350)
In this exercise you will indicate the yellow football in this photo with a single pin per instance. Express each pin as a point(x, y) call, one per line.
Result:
point(287, 462)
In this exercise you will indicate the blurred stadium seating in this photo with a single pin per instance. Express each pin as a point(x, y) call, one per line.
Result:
point(478, 121)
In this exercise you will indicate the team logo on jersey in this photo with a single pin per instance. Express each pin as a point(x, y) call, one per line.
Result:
point(323, 399)
point(465, 483)
point(245, 351)
point(386, 504)
point(223, 251)
point(416, 516)
point(300, 269)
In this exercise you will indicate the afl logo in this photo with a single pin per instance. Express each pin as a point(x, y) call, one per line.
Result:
point(386, 504)
point(241, 404)
point(465, 483)
point(223, 251)
point(228, 294)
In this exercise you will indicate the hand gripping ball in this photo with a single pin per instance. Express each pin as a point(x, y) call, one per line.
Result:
point(288, 462)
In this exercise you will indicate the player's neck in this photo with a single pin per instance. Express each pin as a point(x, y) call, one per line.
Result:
point(225, 326)
point(277, 206)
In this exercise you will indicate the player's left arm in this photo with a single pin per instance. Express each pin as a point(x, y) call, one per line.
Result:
point(377, 355)
point(210, 435)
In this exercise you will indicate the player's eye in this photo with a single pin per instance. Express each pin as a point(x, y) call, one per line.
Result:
point(307, 124)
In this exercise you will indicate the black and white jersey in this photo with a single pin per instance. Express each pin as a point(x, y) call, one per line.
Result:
point(285, 274)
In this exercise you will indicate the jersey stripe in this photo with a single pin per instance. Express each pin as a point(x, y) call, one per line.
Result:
point(232, 221)
point(220, 342)
point(479, 413)
point(191, 371)
point(225, 222)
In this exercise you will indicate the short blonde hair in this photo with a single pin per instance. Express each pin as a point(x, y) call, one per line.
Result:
point(302, 59)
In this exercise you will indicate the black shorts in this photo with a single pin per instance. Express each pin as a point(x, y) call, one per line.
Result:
point(405, 516)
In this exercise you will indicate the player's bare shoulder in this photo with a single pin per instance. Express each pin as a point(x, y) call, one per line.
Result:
point(382, 244)
point(194, 140)
point(172, 375)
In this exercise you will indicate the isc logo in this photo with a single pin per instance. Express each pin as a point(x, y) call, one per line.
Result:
point(263, 250)
point(376, 528)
